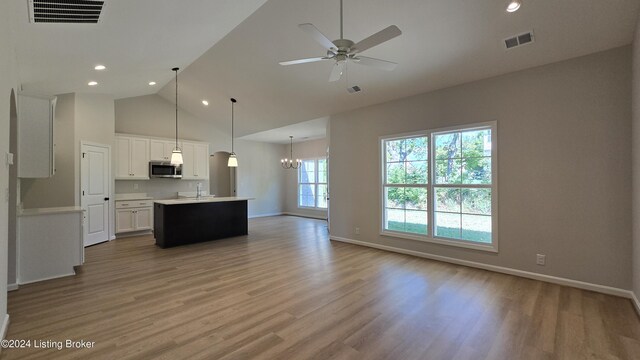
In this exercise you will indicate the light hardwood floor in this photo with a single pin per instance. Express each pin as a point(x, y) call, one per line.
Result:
point(287, 292)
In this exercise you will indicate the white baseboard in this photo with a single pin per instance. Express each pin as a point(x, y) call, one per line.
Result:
point(636, 302)
point(526, 274)
point(12, 287)
point(265, 215)
point(5, 326)
point(46, 278)
point(306, 215)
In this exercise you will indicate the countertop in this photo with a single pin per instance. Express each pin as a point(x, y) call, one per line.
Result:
point(52, 210)
point(201, 200)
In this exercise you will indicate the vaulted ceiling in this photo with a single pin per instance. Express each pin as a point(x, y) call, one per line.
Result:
point(232, 49)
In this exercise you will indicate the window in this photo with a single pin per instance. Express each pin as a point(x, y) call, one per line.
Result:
point(440, 186)
point(405, 184)
point(312, 184)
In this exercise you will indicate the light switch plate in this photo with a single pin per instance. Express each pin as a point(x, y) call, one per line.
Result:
point(9, 158)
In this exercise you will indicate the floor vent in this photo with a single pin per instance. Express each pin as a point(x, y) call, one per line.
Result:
point(519, 40)
point(65, 11)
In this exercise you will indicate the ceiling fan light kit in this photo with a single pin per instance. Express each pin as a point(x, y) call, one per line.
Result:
point(343, 50)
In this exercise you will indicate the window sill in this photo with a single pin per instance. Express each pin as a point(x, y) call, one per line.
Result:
point(443, 241)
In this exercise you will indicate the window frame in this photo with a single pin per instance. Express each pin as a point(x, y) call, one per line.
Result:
point(431, 186)
point(315, 184)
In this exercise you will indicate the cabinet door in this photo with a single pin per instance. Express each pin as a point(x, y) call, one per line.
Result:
point(144, 218)
point(125, 220)
point(139, 158)
point(157, 151)
point(201, 152)
point(35, 137)
point(123, 157)
point(188, 156)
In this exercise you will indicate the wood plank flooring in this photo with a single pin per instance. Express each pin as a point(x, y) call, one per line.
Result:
point(287, 292)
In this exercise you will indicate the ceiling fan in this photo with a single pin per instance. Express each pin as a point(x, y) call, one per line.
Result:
point(343, 50)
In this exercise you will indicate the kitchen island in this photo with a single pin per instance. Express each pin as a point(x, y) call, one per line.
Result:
point(186, 221)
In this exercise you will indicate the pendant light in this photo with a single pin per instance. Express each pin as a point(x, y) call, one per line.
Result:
point(233, 160)
point(176, 154)
point(288, 163)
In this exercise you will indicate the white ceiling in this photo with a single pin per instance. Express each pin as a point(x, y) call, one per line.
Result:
point(444, 43)
point(139, 41)
point(234, 46)
point(302, 131)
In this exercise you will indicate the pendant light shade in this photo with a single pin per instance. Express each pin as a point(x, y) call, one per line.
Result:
point(176, 154)
point(233, 159)
point(176, 157)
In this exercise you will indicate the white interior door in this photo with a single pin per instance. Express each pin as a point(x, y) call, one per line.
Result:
point(95, 182)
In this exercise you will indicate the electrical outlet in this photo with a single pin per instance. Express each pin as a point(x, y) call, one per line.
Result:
point(541, 259)
point(357, 231)
point(135, 186)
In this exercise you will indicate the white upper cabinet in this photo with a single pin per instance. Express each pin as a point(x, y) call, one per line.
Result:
point(201, 162)
point(196, 161)
point(160, 150)
point(133, 153)
point(132, 158)
point(36, 146)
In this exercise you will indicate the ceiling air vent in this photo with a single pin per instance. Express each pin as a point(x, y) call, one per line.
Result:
point(518, 40)
point(65, 11)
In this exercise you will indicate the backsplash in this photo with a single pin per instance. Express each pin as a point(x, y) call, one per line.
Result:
point(159, 188)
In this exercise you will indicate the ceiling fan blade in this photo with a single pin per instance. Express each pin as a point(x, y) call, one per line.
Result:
point(336, 72)
point(317, 36)
point(376, 39)
point(377, 63)
point(303, 61)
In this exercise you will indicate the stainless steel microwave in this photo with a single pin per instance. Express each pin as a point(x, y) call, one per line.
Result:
point(164, 169)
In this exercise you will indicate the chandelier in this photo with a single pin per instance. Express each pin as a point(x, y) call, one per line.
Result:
point(288, 163)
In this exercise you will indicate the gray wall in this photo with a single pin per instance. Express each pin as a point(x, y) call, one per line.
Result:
point(12, 254)
point(564, 152)
point(8, 84)
point(636, 162)
point(219, 174)
point(302, 150)
point(152, 115)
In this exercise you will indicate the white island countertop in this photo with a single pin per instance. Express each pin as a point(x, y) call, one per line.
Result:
point(207, 199)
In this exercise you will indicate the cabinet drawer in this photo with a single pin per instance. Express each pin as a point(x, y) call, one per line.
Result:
point(133, 204)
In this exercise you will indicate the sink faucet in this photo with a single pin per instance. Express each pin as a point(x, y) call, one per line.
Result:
point(198, 191)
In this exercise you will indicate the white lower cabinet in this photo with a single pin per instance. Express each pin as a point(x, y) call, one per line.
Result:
point(134, 215)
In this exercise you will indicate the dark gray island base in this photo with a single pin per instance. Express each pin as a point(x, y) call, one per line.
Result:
point(185, 221)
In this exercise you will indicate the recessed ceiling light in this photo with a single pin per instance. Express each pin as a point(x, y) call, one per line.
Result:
point(100, 67)
point(151, 83)
point(92, 83)
point(514, 5)
point(205, 103)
